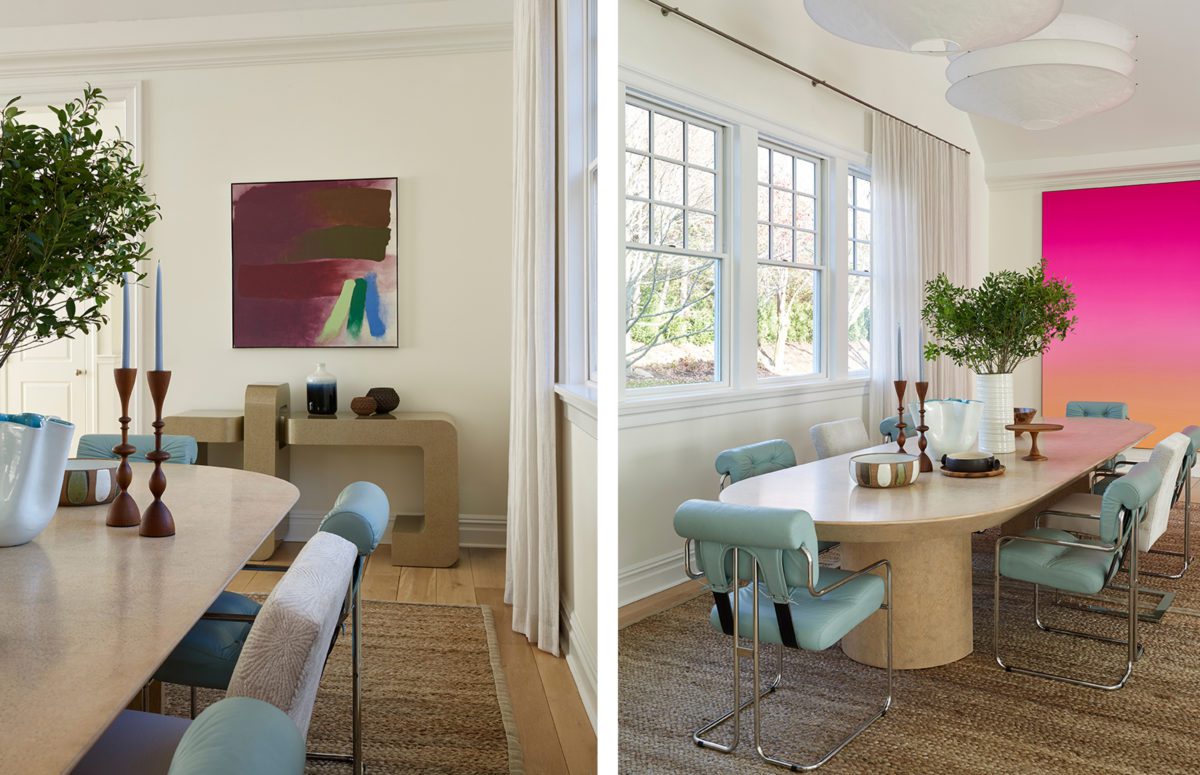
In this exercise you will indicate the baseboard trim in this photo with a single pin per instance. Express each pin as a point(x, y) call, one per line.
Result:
point(648, 577)
point(580, 654)
point(483, 531)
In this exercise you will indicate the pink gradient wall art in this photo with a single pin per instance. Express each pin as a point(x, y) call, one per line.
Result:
point(1132, 256)
point(314, 263)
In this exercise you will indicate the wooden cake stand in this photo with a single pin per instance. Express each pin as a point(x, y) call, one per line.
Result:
point(1033, 429)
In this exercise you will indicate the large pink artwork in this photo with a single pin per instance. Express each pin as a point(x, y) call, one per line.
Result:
point(1132, 256)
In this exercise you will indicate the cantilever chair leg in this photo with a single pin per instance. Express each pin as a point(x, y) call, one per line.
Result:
point(355, 759)
point(1186, 554)
point(1133, 648)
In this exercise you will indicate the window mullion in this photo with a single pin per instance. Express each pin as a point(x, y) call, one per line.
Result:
point(744, 230)
point(837, 259)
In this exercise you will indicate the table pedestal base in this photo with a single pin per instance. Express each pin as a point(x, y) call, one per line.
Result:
point(931, 603)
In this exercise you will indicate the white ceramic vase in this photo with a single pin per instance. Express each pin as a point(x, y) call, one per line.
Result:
point(953, 424)
point(33, 456)
point(996, 393)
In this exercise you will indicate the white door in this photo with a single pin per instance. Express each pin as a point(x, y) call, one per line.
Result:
point(51, 379)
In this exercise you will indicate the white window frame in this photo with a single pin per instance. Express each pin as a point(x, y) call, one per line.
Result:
point(742, 389)
point(721, 243)
point(850, 261)
point(817, 267)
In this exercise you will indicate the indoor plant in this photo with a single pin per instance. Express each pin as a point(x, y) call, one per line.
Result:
point(73, 213)
point(1009, 317)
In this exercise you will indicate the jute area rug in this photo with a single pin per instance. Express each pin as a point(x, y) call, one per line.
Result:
point(434, 695)
point(967, 717)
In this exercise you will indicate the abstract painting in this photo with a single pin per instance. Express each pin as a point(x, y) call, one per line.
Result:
point(1132, 256)
point(314, 263)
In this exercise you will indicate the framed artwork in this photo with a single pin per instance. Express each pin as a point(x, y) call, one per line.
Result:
point(314, 263)
point(1132, 256)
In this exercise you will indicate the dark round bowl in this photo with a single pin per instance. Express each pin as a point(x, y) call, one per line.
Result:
point(970, 462)
point(386, 399)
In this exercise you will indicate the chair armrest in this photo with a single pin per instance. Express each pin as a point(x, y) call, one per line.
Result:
point(240, 736)
point(1108, 548)
point(217, 616)
point(1056, 513)
point(264, 566)
point(812, 590)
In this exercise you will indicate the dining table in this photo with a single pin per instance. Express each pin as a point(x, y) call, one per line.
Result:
point(924, 529)
point(89, 612)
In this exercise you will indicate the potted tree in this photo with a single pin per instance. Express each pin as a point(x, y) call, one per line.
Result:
point(1009, 317)
point(73, 213)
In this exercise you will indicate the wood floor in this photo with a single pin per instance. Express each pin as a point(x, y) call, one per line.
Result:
point(556, 736)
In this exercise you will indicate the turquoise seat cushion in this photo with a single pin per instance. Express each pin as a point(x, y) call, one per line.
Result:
point(888, 426)
point(818, 622)
point(1112, 410)
point(240, 736)
point(183, 449)
point(1066, 568)
point(207, 654)
point(359, 515)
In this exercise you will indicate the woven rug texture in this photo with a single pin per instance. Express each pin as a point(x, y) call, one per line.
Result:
point(434, 695)
point(966, 717)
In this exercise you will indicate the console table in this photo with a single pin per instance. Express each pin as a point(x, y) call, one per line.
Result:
point(268, 429)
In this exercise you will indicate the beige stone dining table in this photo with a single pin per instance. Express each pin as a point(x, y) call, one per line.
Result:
point(925, 529)
point(89, 612)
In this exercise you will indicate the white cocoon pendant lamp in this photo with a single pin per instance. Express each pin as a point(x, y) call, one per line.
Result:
point(1076, 67)
point(933, 26)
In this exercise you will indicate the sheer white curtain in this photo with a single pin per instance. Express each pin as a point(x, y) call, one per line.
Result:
point(920, 190)
point(531, 573)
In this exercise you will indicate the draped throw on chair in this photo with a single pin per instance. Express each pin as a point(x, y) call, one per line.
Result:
point(921, 190)
point(531, 572)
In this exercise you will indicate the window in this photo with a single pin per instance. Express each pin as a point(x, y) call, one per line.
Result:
point(789, 260)
point(674, 247)
point(858, 225)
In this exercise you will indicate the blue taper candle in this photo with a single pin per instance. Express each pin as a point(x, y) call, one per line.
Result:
point(125, 321)
point(158, 342)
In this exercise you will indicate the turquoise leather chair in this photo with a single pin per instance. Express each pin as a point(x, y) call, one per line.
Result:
point(750, 460)
point(209, 652)
point(1109, 410)
point(235, 736)
point(791, 601)
point(1183, 489)
point(183, 449)
point(1046, 557)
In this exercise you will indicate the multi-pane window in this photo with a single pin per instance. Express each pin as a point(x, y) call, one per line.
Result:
point(673, 247)
point(858, 225)
point(789, 263)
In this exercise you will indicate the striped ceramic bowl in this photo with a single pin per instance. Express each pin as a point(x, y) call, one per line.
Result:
point(88, 482)
point(884, 469)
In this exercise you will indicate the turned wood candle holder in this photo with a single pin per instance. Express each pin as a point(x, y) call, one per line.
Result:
point(901, 387)
point(123, 511)
point(926, 463)
point(157, 521)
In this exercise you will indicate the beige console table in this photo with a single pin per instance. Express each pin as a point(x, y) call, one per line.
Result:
point(429, 540)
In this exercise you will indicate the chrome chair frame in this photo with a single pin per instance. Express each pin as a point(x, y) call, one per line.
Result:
point(1183, 488)
point(1134, 649)
point(351, 607)
point(753, 653)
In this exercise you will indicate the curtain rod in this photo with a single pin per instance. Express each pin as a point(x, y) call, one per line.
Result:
point(667, 10)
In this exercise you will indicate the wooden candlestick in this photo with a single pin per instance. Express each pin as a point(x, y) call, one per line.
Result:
point(123, 511)
point(901, 387)
point(157, 521)
point(925, 463)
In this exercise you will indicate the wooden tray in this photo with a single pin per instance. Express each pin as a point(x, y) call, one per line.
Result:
point(982, 475)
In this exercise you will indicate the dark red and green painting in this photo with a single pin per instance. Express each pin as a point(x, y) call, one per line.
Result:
point(314, 263)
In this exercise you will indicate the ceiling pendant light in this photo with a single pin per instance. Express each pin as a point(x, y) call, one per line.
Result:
point(933, 26)
point(1076, 67)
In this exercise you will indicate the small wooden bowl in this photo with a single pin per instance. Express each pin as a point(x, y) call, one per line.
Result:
point(88, 482)
point(364, 406)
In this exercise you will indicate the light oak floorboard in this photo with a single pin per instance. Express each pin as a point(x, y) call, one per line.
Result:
point(556, 736)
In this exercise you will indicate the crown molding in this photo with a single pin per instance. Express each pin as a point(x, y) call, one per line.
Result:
point(426, 41)
point(1157, 165)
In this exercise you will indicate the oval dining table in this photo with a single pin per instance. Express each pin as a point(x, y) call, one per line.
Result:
point(89, 612)
point(925, 529)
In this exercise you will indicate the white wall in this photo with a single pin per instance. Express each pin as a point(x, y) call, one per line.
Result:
point(577, 545)
point(439, 122)
point(667, 457)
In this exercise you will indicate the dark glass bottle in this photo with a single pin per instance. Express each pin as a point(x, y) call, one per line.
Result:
point(322, 391)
